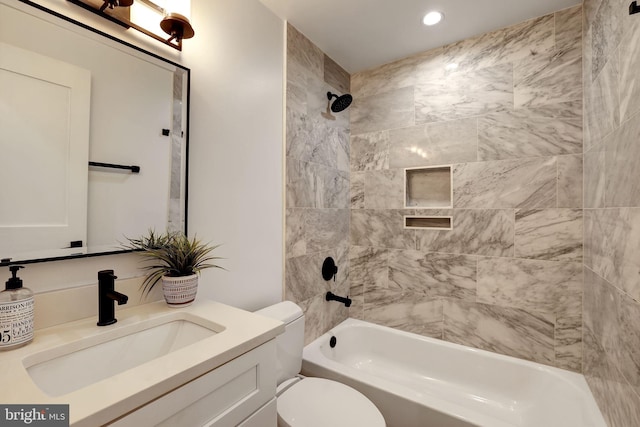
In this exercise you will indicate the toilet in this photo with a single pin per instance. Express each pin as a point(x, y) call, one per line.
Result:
point(312, 402)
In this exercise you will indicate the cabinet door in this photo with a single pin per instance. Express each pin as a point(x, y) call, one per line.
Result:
point(267, 416)
point(44, 117)
point(223, 397)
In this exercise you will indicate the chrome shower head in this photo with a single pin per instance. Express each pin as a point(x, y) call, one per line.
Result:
point(341, 103)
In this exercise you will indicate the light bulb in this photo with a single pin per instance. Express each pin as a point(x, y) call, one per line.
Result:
point(432, 18)
point(183, 7)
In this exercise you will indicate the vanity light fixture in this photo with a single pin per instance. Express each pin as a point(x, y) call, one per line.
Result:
point(111, 4)
point(177, 26)
point(151, 17)
point(432, 18)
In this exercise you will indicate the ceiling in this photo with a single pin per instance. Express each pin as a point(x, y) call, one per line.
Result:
point(362, 34)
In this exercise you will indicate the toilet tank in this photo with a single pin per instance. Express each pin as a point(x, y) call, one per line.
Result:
point(290, 343)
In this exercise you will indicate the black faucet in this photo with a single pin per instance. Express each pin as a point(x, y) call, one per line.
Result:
point(330, 296)
point(107, 296)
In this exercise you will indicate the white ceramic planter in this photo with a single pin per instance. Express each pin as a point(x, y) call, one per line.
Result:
point(180, 291)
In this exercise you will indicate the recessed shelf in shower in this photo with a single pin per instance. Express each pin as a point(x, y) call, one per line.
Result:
point(428, 222)
point(428, 187)
point(431, 188)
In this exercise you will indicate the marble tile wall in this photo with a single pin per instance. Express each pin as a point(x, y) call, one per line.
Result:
point(509, 119)
point(611, 52)
point(176, 220)
point(318, 195)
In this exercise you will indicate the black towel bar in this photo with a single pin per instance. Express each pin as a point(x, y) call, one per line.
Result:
point(133, 169)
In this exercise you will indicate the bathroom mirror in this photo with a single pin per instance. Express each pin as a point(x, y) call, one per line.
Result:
point(94, 138)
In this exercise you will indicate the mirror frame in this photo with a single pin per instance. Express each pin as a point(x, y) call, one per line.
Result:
point(186, 127)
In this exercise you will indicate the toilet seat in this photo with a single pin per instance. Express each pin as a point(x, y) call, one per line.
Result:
point(318, 402)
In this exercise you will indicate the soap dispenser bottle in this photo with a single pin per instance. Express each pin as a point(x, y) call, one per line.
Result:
point(16, 313)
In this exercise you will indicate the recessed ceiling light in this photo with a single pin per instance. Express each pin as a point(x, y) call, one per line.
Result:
point(432, 18)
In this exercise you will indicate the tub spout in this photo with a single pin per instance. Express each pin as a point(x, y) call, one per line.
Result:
point(333, 297)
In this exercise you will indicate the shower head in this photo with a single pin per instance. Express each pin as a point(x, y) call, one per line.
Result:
point(341, 103)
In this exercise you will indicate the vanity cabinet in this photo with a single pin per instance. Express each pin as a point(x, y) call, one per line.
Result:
point(239, 393)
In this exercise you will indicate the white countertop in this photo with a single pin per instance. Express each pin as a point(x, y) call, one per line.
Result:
point(113, 397)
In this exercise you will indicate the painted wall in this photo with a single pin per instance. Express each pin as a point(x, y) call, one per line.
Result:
point(508, 276)
point(612, 209)
point(236, 148)
point(317, 184)
point(236, 141)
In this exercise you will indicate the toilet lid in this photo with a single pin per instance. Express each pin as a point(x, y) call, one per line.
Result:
point(317, 402)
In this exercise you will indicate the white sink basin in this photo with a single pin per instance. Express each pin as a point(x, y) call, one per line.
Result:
point(69, 368)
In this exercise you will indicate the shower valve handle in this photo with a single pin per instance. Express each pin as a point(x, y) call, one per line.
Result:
point(329, 269)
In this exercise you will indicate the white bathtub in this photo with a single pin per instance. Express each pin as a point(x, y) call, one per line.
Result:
point(424, 382)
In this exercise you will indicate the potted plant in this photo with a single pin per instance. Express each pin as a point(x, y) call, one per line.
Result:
point(176, 260)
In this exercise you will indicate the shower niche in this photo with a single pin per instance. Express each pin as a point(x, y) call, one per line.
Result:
point(428, 188)
point(428, 222)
